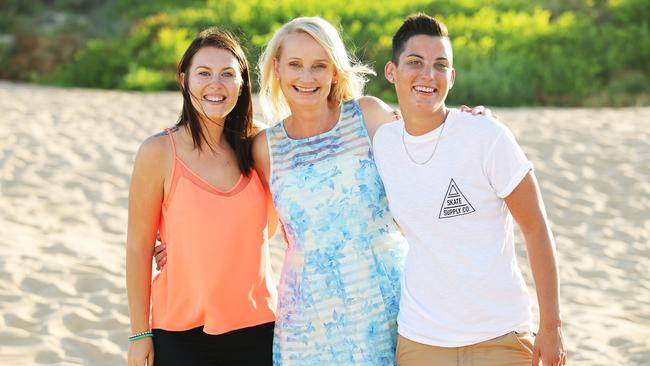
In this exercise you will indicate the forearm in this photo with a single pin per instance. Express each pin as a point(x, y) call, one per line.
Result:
point(543, 262)
point(138, 283)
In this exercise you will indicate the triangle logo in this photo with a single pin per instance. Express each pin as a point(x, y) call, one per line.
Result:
point(455, 203)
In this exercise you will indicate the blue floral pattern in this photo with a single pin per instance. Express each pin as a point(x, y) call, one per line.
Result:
point(339, 289)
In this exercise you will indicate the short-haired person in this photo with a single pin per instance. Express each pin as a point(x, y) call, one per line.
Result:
point(454, 182)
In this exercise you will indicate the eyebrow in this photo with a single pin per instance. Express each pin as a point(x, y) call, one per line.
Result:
point(318, 60)
point(209, 68)
point(418, 56)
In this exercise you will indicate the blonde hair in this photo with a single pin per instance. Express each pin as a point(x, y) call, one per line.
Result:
point(351, 77)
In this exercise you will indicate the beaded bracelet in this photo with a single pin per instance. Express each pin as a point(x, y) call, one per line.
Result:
point(140, 335)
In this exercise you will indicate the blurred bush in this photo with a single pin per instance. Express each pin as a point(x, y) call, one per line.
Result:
point(507, 52)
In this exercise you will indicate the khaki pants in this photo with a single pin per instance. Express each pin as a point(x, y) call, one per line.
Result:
point(512, 349)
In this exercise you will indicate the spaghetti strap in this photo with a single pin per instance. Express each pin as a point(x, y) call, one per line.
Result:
point(171, 138)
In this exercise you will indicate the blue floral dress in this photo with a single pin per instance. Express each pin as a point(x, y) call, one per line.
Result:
point(339, 288)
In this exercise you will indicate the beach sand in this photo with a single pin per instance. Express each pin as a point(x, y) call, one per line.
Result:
point(65, 160)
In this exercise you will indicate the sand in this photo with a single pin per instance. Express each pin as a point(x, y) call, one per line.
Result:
point(66, 157)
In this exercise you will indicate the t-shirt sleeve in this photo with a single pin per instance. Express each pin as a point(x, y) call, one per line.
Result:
point(506, 164)
point(377, 149)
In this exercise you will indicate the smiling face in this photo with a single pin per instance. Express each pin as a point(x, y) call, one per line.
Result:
point(304, 70)
point(423, 74)
point(214, 81)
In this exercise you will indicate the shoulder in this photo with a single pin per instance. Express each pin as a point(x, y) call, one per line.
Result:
point(154, 146)
point(259, 141)
point(261, 155)
point(478, 126)
point(154, 156)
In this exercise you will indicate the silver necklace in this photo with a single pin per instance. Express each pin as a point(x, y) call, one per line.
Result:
point(434, 148)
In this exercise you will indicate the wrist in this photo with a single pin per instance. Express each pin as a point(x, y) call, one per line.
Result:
point(140, 335)
point(550, 324)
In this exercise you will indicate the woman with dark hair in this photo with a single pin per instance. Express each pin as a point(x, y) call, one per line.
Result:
point(214, 301)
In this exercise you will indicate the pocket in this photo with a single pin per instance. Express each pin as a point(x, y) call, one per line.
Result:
point(523, 341)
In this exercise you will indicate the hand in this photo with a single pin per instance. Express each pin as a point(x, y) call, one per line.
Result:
point(478, 110)
point(141, 352)
point(160, 255)
point(549, 347)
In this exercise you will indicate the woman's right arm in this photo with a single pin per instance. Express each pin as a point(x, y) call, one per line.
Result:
point(145, 203)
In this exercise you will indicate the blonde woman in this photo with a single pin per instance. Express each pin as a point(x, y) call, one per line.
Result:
point(339, 288)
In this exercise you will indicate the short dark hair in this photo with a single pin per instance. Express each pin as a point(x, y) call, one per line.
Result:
point(414, 25)
point(238, 126)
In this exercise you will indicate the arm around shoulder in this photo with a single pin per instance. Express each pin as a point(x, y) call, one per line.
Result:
point(376, 113)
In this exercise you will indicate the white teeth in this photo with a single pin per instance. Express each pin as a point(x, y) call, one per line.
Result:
point(424, 89)
point(215, 99)
point(306, 90)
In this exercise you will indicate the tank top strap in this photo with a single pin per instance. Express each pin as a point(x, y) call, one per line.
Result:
point(174, 172)
point(277, 143)
point(171, 140)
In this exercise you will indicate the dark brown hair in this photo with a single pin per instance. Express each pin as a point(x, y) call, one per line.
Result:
point(414, 25)
point(238, 125)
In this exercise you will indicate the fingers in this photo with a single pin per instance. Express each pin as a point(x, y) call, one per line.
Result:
point(160, 256)
point(555, 360)
point(478, 110)
point(464, 108)
point(158, 249)
point(536, 356)
point(162, 263)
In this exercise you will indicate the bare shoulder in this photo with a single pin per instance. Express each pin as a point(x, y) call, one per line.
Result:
point(154, 153)
point(259, 141)
point(154, 144)
point(261, 155)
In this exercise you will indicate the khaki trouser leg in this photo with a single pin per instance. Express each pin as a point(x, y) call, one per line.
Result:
point(511, 349)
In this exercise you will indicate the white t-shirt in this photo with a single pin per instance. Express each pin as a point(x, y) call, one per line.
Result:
point(461, 283)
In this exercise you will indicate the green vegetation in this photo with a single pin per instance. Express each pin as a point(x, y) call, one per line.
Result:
point(507, 52)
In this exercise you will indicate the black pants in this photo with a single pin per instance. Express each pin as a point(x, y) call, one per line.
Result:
point(242, 347)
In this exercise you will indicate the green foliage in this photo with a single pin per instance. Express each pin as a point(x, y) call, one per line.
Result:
point(506, 52)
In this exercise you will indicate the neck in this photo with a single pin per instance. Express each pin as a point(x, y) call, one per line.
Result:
point(213, 132)
point(420, 123)
point(311, 120)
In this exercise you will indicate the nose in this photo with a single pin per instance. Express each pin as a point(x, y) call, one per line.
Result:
point(216, 79)
point(429, 72)
point(306, 74)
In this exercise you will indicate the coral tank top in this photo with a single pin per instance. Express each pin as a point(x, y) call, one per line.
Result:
point(218, 272)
